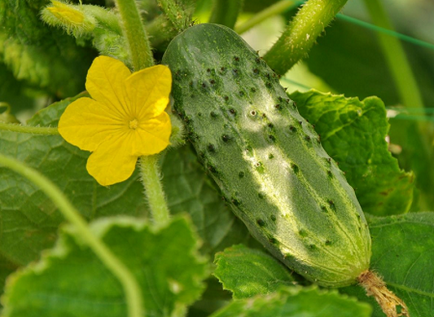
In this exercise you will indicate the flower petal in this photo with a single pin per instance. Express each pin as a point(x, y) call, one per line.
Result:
point(153, 135)
point(148, 91)
point(110, 163)
point(105, 82)
point(86, 123)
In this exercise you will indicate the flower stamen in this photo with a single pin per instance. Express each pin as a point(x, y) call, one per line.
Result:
point(133, 124)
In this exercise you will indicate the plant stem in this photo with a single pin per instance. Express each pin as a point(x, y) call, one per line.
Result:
point(150, 174)
point(134, 31)
point(226, 12)
point(270, 11)
point(396, 58)
point(28, 129)
point(148, 167)
point(119, 270)
point(301, 33)
point(176, 14)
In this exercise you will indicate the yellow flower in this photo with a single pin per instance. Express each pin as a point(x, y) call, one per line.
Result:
point(66, 13)
point(124, 120)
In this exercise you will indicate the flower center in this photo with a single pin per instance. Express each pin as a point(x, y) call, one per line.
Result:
point(133, 124)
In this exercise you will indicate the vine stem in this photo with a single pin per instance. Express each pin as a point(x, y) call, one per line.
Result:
point(149, 168)
point(134, 31)
point(175, 13)
point(270, 11)
point(28, 129)
point(119, 270)
point(301, 33)
point(150, 174)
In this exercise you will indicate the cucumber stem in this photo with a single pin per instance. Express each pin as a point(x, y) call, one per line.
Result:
point(150, 174)
point(134, 32)
point(388, 301)
point(301, 33)
point(149, 168)
point(176, 14)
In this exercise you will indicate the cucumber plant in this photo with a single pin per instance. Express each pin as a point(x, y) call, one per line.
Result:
point(279, 177)
point(268, 160)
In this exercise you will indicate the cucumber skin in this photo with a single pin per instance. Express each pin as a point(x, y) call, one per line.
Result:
point(266, 159)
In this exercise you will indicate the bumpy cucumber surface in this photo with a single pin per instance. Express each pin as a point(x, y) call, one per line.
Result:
point(267, 160)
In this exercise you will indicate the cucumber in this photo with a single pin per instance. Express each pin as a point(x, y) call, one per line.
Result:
point(266, 159)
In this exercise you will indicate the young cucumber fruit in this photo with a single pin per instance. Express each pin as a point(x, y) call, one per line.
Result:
point(267, 160)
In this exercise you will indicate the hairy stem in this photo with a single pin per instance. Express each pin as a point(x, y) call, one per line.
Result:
point(276, 8)
point(122, 273)
point(150, 173)
point(28, 129)
point(134, 31)
point(301, 33)
point(149, 164)
point(226, 12)
point(176, 14)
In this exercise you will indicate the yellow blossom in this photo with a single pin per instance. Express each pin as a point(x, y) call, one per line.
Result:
point(66, 13)
point(124, 119)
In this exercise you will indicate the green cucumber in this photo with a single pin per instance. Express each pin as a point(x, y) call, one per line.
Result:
point(267, 160)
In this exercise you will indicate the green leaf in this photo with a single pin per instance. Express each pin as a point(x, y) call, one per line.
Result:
point(353, 133)
point(70, 280)
point(43, 56)
point(296, 302)
point(247, 272)
point(190, 190)
point(29, 220)
point(402, 252)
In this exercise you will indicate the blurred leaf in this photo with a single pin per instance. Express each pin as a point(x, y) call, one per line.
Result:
point(353, 133)
point(42, 56)
point(418, 154)
point(257, 5)
point(402, 252)
point(14, 92)
point(248, 272)
point(5, 114)
point(6, 268)
point(212, 299)
point(71, 281)
point(355, 64)
point(296, 302)
point(349, 59)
